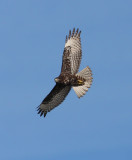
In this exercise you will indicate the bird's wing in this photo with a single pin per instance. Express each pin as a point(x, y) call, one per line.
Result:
point(53, 99)
point(72, 53)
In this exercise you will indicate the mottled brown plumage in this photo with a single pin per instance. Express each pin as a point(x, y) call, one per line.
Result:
point(68, 77)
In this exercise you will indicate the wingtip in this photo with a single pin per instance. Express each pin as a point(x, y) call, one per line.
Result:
point(40, 112)
point(74, 32)
point(79, 33)
point(69, 34)
point(45, 114)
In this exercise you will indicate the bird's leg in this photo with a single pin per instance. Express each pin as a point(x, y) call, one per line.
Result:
point(80, 82)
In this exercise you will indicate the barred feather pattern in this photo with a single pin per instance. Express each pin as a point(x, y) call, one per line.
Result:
point(85, 74)
point(72, 52)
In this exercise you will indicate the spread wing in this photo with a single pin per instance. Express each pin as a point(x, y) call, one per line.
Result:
point(72, 53)
point(53, 99)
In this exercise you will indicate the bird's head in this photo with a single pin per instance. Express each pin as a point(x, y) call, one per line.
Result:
point(57, 80)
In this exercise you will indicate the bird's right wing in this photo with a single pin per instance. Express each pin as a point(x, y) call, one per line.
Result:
point(53, 99)
point(72, 52)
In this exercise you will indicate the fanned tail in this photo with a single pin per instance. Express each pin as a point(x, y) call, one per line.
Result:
point(86, 74)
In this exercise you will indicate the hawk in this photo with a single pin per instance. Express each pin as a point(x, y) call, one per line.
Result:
point(69, 76)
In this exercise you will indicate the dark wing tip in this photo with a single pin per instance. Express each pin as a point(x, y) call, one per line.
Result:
point(73, 32)
point(41, 112)
point(76, 32)
point(79, 33)
point(45, 114)
point(69, 34)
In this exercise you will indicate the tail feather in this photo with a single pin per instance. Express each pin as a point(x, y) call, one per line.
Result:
point(86, 73)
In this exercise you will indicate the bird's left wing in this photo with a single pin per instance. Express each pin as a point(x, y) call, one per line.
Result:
point(53, 99)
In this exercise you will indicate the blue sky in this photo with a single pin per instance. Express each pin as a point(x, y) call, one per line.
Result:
point(32, 36)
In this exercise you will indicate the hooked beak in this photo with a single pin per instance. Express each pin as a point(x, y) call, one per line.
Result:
point(57, 80)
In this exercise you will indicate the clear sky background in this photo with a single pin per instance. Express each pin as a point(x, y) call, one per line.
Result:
point(32, 37)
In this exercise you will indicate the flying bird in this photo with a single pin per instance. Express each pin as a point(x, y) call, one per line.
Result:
point(69, 76)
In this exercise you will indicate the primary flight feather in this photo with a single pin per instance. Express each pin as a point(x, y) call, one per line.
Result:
point(68, 78)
